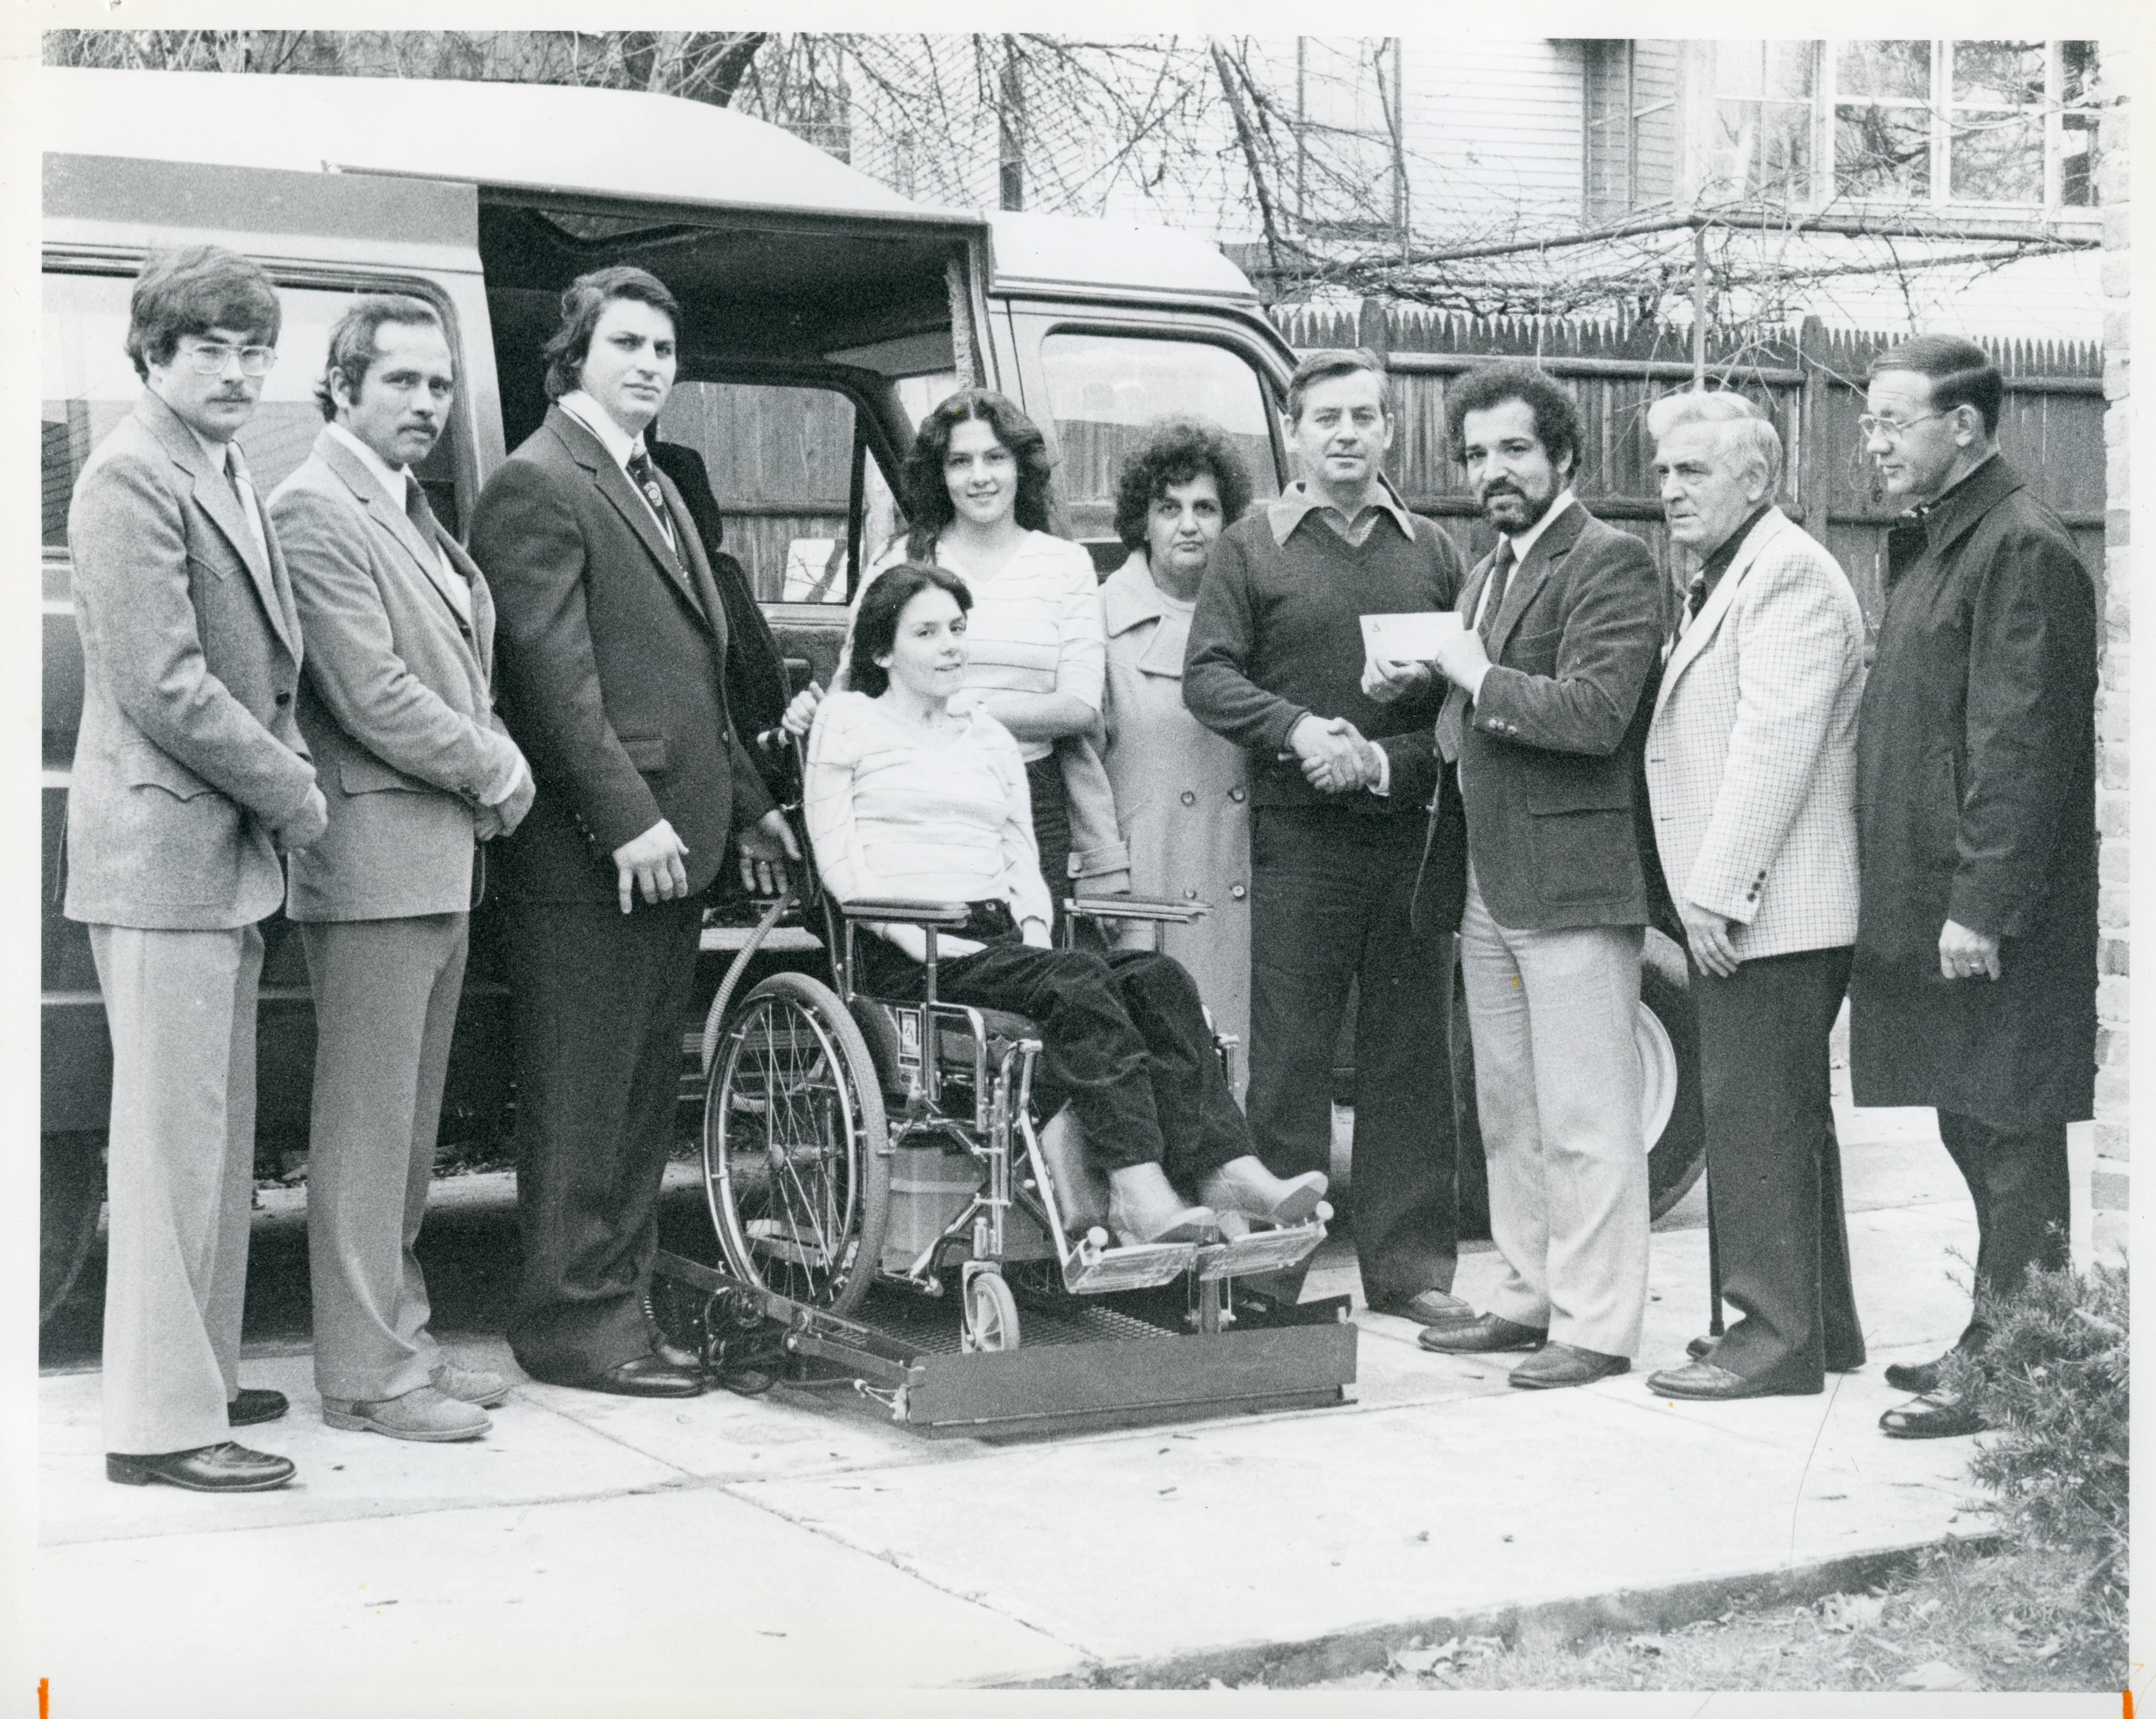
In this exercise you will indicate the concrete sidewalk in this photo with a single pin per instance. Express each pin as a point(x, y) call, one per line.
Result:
point(802, 1541)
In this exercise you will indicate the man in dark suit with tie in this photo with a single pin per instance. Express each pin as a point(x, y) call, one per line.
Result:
point(1544, 725)
point(191, 782)
point(612, 645)
point(397, 705)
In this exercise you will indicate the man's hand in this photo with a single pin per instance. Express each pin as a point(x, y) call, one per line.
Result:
point(802, 711)
point(652, 863)
point(304, 827)
point(1964, 953)
point(1709, 933)
point(1334, 757)
point(1461, 659)
point(1386, 680)
point(510, 809)
point(765, 848)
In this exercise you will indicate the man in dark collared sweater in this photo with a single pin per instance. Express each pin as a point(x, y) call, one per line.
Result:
point(1341, 786)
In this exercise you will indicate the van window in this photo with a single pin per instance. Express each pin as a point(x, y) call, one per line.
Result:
point(89, 386)
point(1105, 391)
point(781, 465)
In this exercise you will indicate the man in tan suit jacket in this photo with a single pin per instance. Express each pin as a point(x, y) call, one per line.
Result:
point(1752, 773)
point(190, 781)
point(396, 705)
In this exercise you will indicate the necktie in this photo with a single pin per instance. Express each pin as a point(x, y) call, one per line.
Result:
point(1452, 718)
point(1695, 601)
point(645, 476)
point(1500, 577)
point(422, 517)
point(235, 473)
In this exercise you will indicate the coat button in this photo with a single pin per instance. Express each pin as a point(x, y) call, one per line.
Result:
point(284, 698)
point(1188, 797)
point(1190, 895)
point(1236, 793)
point(1237, 892)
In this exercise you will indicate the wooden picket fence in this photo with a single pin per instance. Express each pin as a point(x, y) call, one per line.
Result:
point(1809, 381)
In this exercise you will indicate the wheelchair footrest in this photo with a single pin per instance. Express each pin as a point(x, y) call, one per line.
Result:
point(1261, 1250)
point(1095, 1271)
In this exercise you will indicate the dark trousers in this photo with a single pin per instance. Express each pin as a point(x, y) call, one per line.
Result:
point(1773, 1166)
point(1330, 897)
point(598, 1002)
point(1123, 1039)
point(2023, 1206)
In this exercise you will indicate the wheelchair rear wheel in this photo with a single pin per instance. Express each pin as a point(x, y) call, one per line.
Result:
point(794, 1170)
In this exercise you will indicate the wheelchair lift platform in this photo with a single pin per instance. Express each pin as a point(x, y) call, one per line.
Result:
point(1084, 1365)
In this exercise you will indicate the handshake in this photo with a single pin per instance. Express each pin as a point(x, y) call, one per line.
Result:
point(1334, 756)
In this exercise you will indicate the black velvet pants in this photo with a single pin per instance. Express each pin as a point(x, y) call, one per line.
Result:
point(1123, 1039)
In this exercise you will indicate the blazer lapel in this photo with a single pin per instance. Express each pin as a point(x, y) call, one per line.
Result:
point(391, 520)
point(215, 494)
point(1695, 637)
point(702, 588)
point(613, 482)
point(1531, 574)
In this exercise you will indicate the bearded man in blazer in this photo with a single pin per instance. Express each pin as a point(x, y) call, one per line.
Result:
point(398, 706)
point(1752, 771)
point(191, 782)
point(612, 647)
point(1561, 634)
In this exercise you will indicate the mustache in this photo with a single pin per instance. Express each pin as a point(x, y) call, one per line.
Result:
point(1503, 486)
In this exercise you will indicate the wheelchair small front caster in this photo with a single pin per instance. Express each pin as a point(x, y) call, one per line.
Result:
point(989, 1312)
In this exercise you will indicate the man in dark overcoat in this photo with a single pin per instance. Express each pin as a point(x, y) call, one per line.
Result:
point(1974, 984)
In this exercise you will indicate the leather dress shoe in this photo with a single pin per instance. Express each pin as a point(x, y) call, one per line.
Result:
point(426, 1415)
point(1937, 1414)
point(1703, 1348)
point(252, 1407)
point(214, 1468)
point(1920, 1377)
point(646, 1376)
point(1430, 1306)
point(1489, 1335)
point(1556, 1366)
point(1703, 1382)
point(480, 1386)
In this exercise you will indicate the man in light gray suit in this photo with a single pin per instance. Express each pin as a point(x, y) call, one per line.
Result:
point(190, 781)
point(1752, 773)
point(396, 705)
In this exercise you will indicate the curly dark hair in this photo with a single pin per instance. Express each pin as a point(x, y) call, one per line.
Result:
point(929, 504)
point(875, 623)
point(1178, 450)
point(1556, 414)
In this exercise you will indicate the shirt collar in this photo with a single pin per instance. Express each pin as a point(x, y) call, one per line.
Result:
point(392, 482)
point(1717, 564)
point(1298, 501)
point(218, 453)
point(1976, 491)
point(619, 444)
point(1526, 540)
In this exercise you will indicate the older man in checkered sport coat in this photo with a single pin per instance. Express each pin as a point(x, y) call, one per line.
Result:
point(1751, 765)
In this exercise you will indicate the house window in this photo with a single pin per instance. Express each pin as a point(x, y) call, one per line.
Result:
point(1764, 93)
point(1631, 143)
point(1964, 122)
point(1882, 119)
point(1351, 171)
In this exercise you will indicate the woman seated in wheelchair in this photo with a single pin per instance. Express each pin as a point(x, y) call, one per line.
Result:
point(911, 793)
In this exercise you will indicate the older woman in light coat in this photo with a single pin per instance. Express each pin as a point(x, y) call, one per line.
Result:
point(1182, 793)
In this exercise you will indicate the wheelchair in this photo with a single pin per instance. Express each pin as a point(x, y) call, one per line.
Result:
point(851, 1141)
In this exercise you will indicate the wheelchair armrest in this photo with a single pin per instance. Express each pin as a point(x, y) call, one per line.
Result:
point(1138, 907)
point(945, 916)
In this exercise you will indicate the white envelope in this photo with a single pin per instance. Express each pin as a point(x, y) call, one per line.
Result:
point(1408, 637)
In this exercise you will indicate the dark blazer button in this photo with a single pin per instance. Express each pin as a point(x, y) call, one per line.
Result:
point(284, 698)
